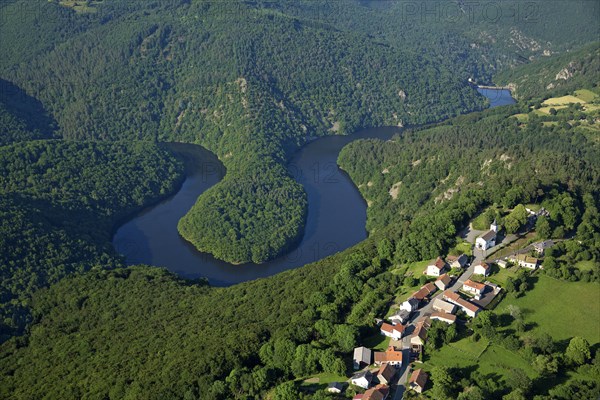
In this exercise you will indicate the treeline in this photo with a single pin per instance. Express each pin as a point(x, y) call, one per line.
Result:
point(59, 202)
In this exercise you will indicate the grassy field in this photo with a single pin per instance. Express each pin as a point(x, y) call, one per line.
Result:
point(522, 117)
point(499, 274)
point(376, 342)
point(546, 110)
point(561, 309)
point(488, 359)
point(586, 95)
point(463, 247)
point(585, 265)
point(559, 101)
point(321, 381)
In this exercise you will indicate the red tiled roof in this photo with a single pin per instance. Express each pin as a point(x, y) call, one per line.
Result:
point(449, 294)
point(442, 315)
point(439, 263)
point(391, 328)
point(484, 265)
point(419, 377)
point(390, 355)
point(467, 305)
point(387, 372)
point(379, 392)
point(446, 279)
point(425, 291)
point(474, 285)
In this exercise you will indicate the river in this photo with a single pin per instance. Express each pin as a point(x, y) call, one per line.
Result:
point(336, 212)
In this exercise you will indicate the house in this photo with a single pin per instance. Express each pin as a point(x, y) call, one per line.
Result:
point(410, 305)
point(401, 317)
point(457, 262)
point(482, 269)
point(440, 305)
point(393, 331)
point(386, 373)
point(450, 296)
point(335, 387)
point(424, 292)
point(443, 281)
point(390, 356)
point(418, 380)
point(419, 337)
point(444, 317)
point(540, 247)
point(488, 239)
point(525, 261)
point(362, 379)
point(472, 287)
point(362, 357)
point(502, 263)
point(379, 392)
point(436, 267)
point(469, 308)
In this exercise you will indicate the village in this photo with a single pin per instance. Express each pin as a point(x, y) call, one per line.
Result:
point(456, 292)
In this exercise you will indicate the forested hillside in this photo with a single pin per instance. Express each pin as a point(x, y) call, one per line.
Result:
point(556, 75)
point(252, 81)
point(59, 203)
point(241, 341)
point(94, 87)
point(430, 166)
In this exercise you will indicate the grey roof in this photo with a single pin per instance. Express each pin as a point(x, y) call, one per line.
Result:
point(489, 235)
point(362, 354)
point(544, 245)
point(363, 374)
point(336, 385)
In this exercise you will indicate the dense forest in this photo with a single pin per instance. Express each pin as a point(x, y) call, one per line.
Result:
point(89, 94)
point(556, 75)
point(252, 81)
point(60, 201)
point(179, 339)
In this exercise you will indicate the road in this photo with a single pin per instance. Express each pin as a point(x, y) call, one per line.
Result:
point(427, 310)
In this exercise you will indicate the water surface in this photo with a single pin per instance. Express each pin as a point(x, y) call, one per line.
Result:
point(336, 216)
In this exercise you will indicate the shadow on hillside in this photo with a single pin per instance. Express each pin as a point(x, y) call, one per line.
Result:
point(26, 108)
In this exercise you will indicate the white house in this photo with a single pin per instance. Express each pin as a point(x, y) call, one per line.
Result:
point(436, 267)
point(410, 305)
point(502, 263)
point(444, 317)
point(400, 317)
point(525, 261)
point(391, 356)
point(443, 306)
point(443, 281)
point(362, 357)
point(458, 262)
point(472, 287)
point(393, 331)
point(482, 269)
point(362, 379)
point(469, 308)
point(335, 387)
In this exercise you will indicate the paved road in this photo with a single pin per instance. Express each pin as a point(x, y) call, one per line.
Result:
point(479, 256)
point(427, 310)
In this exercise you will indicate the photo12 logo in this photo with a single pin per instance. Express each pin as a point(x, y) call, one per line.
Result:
point(470, 11)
